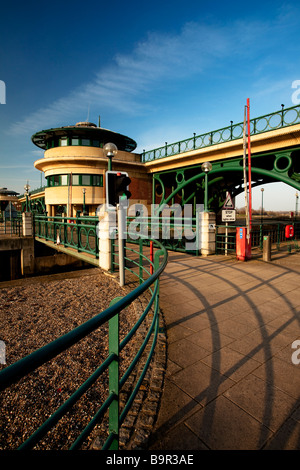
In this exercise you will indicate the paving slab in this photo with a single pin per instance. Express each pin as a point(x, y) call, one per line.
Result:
point(230, 381)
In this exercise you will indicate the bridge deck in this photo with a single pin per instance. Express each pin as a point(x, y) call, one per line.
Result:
point(230, 381)
point(89, 258)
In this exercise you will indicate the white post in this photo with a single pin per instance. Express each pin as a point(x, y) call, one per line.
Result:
point(226, 238)
point(208, 234)
point(27, 224)
point(107, 220)
point(121, 235)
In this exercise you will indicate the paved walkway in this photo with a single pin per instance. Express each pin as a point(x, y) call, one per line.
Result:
point(230, 380)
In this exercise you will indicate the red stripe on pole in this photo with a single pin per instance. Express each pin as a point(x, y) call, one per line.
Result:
point(249, 163)
point(151, 257)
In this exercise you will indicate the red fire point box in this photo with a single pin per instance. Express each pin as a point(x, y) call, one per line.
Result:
point(289, 231)
point(243, 245)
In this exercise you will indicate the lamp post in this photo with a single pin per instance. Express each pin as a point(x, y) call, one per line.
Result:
point(83, 206)
point(110, 150)
point(262, 204)
point(206, 167)
point(27, 188)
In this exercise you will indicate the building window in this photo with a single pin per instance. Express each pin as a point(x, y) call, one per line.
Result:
point(72, 140)
point(85, 180)
point(64, 180)
point(56, 180)
point(75, 141)
point(63, 141)
point(97, 180)
point(77, 180)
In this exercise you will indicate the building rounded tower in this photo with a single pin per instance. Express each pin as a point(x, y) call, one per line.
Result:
point(75, 163)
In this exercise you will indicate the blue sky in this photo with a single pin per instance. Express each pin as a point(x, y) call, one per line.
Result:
point(155, 71)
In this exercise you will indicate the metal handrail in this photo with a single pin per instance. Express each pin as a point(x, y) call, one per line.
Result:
point(71, 231)
point(258, 125)
point(23, 367)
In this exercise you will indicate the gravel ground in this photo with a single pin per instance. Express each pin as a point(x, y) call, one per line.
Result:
point(34, 312)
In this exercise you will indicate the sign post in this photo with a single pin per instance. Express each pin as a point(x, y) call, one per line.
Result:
point(228, 215)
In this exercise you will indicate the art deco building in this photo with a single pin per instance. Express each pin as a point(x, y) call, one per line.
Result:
point(75, 163)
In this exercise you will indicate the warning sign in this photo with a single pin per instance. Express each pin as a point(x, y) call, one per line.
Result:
point(228, 204)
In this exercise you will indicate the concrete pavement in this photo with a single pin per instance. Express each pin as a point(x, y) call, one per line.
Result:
point(230, 381)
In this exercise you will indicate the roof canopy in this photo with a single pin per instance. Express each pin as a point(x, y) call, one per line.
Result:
point(7, 192)
point(85, 130)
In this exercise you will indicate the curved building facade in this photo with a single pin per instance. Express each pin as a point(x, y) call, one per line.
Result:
point(75, 163)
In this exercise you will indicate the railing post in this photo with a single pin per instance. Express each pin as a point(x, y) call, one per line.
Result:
point(114, 381)
point(278, 236)
point(141, 260)
point(78, 230)
point(261, 236)
point(282, 115)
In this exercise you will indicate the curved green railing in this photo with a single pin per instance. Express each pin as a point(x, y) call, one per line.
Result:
point(147, 282)
point(268, 122)
point(79, 233)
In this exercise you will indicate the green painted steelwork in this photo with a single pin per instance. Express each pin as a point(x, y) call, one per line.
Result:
point(283, 118)
point(79, 233)
point(187, 185)
point(11, 226)
point(28, 364)
point(226, 236)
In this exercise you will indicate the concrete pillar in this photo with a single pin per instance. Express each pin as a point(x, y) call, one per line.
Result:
point(267, 248)
point(208, 233)
point(27, 221)
point(107, 223)
point(27, 257)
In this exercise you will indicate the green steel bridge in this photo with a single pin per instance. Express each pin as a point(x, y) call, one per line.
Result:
point(275, 157)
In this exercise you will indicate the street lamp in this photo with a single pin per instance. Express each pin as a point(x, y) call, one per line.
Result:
point(110, 150)
point(83, 206)
point(27, 188)
point(206, 167)
point(262, 204)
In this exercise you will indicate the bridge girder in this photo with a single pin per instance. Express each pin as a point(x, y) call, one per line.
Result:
point(186, 185)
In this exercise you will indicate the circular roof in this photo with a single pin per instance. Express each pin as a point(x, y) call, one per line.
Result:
point(7, 192)
point(85, 130)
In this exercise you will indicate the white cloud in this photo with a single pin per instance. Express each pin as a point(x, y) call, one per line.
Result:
point(126, 84)
point(121, 84)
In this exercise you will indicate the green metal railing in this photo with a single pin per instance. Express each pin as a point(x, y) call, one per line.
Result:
point(79, 233)
point(283, 118)
point(225, 239)
point(10, 226)
point(226, 236)
point(147, 284)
